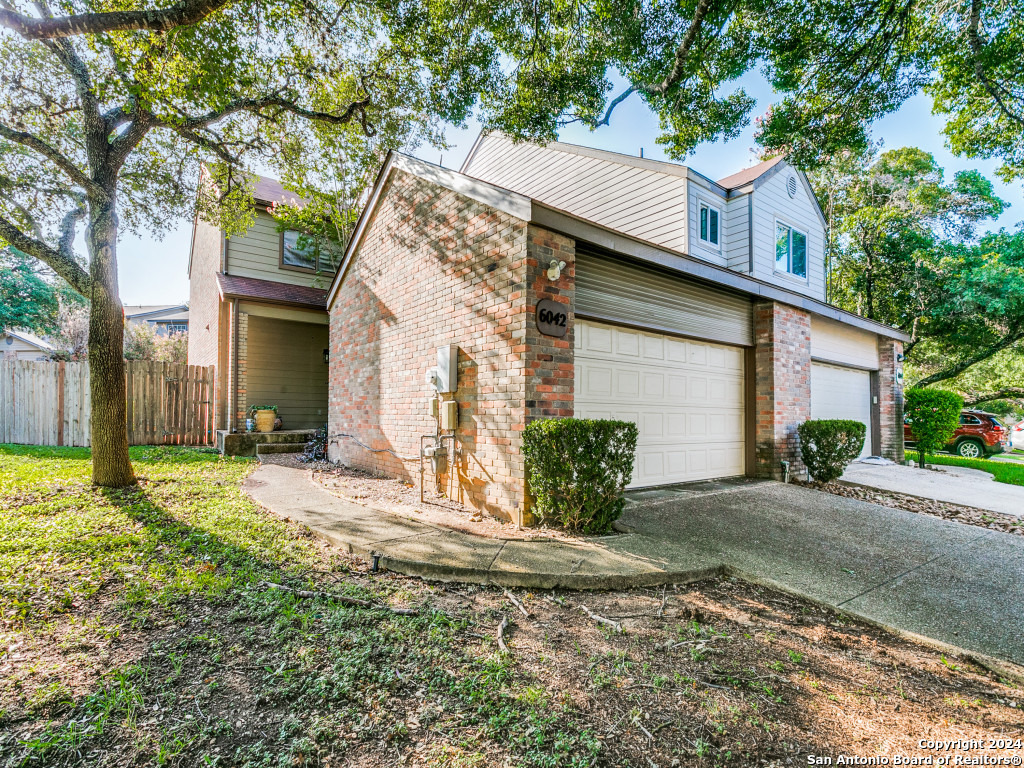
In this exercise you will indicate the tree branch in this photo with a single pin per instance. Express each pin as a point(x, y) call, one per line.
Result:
point(974, 38)
point(61, 262)
point(1010, 393)
point(606, 120)
point(954, 370)
point(179, 15)
point(357, 107)
point(676, 73)
point(35, 143)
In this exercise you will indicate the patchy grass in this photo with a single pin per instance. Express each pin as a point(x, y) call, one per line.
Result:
point(138, 629)
point(1004, 472)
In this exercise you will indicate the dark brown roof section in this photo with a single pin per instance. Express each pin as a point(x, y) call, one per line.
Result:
point(235, 287)
point(748, 175)
point(267, 190)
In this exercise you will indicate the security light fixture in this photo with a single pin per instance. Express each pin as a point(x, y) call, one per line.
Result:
point(555, 269)
point(327, 356)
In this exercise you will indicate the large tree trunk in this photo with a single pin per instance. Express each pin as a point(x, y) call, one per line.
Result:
point(111, 465)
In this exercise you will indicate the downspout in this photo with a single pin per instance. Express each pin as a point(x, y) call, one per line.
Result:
point(234, 367)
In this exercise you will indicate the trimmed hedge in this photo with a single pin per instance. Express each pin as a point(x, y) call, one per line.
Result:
point(827, 446)
point(933, 415)
point(578, 469)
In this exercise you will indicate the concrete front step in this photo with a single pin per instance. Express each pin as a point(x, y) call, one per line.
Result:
point(246, 443)
point(265, 448)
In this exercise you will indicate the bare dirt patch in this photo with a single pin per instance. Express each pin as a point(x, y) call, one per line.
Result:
point(982, 518)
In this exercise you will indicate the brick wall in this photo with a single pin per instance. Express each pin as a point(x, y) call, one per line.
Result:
point(782, 385)
point(890, 398)
point(241, 370)
point(434, 268)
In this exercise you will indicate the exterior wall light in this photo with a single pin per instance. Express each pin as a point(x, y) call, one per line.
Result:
point(555, 269)
point(327, 356)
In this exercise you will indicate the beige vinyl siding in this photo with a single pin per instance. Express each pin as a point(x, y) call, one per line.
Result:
point(736, 245)
point(258, 252)
point(21, 350)
point(613, 290)
point(840, 343)
point(701, 193)
point(638, 201)
point(285, 367)
point(772, 203)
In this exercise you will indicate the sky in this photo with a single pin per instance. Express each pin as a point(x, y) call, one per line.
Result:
point(155, 271)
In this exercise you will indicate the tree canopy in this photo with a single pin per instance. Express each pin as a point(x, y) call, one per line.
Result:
point(905, 251)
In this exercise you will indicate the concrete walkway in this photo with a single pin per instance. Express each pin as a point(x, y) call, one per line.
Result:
point(956, 485)
point(929, 578)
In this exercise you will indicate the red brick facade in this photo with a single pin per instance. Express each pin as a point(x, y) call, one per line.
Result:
point(782, 386)
point(434, 268)
point(890, 398)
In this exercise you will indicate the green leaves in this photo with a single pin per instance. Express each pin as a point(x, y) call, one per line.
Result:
point(827, 446)
point(933, 415)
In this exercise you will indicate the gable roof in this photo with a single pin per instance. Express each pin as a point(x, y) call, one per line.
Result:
point(147, 311)
point(534, 211)
point(751, 174)
point(29, 338)
point(268, 190)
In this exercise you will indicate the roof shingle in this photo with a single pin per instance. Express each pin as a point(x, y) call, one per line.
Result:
point(233, 286)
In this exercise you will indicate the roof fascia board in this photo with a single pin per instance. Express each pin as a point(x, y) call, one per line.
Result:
point(709, 183)
point(472, 151)
point(808, 190)
point(643, 251)
point(38, 344)
point(512, 203)
point(166, 311)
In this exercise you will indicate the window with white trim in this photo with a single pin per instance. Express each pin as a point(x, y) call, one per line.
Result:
point(709, 224)
point(790, 250)
point(177, 327)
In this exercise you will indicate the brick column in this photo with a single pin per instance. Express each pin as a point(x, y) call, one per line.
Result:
point(548, 361)
point(890, 398)
point(782, 383)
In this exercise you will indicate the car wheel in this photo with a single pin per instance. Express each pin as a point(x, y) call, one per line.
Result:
point(971, 449)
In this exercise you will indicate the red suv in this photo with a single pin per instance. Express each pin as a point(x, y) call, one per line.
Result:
point(980, 434)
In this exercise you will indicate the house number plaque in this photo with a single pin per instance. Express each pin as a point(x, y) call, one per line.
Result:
point(552, 318)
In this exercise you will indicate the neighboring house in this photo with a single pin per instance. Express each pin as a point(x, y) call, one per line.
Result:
point(22, 345)
point(164, 318)
point(692, 307)
point(258, 313)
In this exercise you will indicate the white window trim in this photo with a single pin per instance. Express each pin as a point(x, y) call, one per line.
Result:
point(806, 279)
point(701, 203)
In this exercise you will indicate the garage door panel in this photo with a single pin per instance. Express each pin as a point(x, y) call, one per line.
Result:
point(686, 398)
point(842, 393)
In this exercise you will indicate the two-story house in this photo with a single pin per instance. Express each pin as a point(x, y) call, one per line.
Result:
point(257, 311)
point(569, 281)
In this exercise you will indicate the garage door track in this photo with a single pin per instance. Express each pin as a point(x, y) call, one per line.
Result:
point(958, 584)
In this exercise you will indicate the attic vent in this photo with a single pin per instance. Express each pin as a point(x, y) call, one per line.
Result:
point(791, 186)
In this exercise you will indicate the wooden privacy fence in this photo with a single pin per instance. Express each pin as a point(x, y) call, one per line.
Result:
point(48, 403)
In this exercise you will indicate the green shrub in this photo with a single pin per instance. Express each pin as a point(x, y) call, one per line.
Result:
point(827, 446)
point(578, 469)
point(933, 415)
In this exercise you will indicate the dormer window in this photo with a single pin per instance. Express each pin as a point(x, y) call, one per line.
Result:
point(303, 253)
point(709, 225)
point(790, 250)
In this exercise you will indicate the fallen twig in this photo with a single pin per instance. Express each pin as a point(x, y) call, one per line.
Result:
point(516, 603)
point(661, 610)
point(501, 633)
point(601, 619)
point(305, 593)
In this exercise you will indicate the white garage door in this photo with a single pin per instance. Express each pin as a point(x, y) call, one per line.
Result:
point(842, 393)
point(686, 397)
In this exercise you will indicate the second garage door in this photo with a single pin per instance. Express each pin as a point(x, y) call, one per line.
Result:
point(842, 393)
point(685, 396)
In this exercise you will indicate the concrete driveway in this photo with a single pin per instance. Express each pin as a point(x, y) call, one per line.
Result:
point(955, 583)
point(956, 485)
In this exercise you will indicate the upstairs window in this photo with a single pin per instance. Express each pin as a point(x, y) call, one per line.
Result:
point(709, 218)
point(303, 253)
point(790, 250)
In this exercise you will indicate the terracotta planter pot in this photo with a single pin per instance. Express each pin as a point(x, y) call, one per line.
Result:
point(265, 421)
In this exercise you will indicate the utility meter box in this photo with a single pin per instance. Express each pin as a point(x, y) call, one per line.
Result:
point(447, 379)
point(449, 415)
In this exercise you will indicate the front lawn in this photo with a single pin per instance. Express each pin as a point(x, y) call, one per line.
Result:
point(1004, 472)
point(141, 628)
